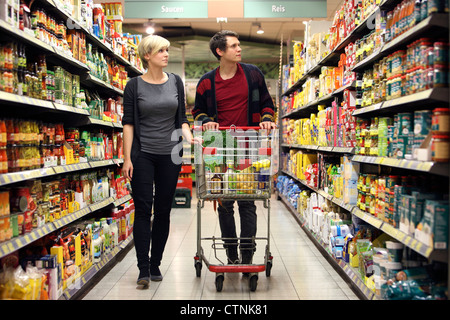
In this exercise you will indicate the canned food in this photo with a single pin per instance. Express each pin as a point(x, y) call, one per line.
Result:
point(19, 199)
point(405, 123)
point(422, 122)
point(28, 221)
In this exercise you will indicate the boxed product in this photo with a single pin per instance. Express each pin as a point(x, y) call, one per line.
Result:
point(350, 192)
point(351, 168)
point(433, 228)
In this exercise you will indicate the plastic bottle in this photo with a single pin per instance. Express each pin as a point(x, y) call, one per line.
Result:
point(93, 143)
point(114, 233)
point(229, 179)
point(106, 234)
point(84, 105)
point(97, 243)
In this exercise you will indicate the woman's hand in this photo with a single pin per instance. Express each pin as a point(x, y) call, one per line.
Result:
point(196, 140)
point(127, 169)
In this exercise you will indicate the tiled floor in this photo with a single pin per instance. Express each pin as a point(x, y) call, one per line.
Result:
point(299, 270)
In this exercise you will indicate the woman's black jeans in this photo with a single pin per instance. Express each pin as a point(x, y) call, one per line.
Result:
point(247, 214)
point(160, 170)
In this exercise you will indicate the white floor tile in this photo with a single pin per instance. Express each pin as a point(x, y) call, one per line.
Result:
point(299, 272)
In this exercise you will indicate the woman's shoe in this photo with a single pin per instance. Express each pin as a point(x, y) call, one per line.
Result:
point(155, 274)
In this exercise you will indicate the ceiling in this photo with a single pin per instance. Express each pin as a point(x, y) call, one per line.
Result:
point(194, 34)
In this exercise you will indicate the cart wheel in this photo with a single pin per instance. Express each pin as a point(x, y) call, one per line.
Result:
point(198, 268)
point(253, 283)
point(268, 268)
point(219, 282)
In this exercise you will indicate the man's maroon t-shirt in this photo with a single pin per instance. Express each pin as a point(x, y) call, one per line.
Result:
point(232, 99)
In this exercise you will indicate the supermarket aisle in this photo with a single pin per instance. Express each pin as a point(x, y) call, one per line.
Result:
point(299, 270)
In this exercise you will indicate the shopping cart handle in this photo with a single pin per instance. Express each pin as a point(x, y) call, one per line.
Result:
point(239, 128)
point(232, 127)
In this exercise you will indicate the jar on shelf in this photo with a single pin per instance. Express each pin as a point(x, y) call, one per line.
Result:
point(440, 51)
point(440, 123)
point(440, 148)
point(440, 75)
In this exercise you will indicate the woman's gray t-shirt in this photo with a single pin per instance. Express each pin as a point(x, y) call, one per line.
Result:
point(157, 104)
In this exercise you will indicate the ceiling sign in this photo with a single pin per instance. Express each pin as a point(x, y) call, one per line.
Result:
point(165, 9)
point(285, 9)
point(150, 9)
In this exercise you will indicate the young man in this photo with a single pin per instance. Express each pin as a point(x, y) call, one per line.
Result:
point(235, 93)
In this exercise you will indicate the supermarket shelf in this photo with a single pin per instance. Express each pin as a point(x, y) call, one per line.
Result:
point(345, 270)
point(83, 281)
point(340, 90)
point(17, 243)
point(322, 100)
point(92, 80)
point(441, 169)
point(407, 103)
point(435, 95)
point(367, 63)
point(332, 58)
point(407, 240)
point(105, 47)
point(25, 37)
point(7, 98)
point(13, 177)
point(367, 111)
point(63, 107)
point(349, 150)
point(433, 23)
point(91, 120)
point(310, 106)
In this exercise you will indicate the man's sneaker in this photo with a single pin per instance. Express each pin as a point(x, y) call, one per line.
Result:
point(155, 274)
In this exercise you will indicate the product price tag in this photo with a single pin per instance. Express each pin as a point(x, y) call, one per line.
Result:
point(4, 249)
point(5, 179)
point(18, 243)
point(425, 166)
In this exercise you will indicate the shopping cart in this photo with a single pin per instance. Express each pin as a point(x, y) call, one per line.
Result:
point(237, 166)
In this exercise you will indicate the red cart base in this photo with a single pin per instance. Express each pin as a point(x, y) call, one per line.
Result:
point(237, 268)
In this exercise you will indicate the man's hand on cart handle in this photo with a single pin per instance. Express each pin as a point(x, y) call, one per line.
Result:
point(210, 126)
point(268, 125)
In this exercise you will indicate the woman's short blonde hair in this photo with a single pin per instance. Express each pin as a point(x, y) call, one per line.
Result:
point(151, 44)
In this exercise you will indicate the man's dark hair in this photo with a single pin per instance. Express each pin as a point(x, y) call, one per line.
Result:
point(219, 40)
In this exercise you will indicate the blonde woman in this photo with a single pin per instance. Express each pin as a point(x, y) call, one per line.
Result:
point(154, 108)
